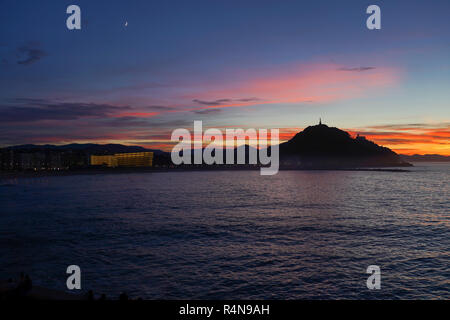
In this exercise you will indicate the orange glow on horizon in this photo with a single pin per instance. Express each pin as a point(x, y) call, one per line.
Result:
point(422, 141)
point(409, 141)
point(403, 140)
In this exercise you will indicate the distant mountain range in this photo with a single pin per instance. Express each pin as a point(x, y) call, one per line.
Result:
point(90, 148)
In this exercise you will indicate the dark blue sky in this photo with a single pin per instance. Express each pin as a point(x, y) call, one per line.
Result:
point(229, 63)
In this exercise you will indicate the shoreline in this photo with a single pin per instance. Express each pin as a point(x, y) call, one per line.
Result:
point(95, 171)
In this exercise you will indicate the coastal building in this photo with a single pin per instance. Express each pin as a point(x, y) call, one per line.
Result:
point(108, 161)
point(74, 159)
point(136, 159)
point(36, 161)
point(31, 159)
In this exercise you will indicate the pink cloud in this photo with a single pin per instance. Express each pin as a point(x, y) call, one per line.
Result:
point(300, 83)
point(303, 83)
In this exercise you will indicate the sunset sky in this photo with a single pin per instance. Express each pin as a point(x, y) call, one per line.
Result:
point(232, 64)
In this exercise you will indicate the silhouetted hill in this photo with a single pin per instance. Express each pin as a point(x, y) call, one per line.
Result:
point(322, 147)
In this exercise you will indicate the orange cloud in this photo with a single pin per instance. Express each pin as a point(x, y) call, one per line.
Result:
point(417, 139)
